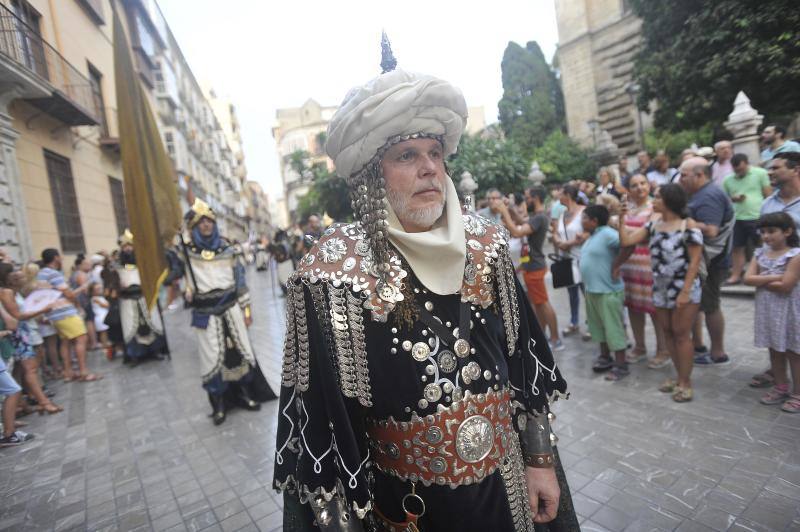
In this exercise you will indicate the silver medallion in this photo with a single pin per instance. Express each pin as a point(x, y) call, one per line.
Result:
point(392, 450)
point(458, 394)
point(470, 273)
point(474, 439)
point(387, 292)
point(349, 264)
point(309, 259)
point(329, 231)
point(475, 245)
point(332, 250)
point(432, 392)
point(362, 248)
point(420, 351)
point(461, 347)
point(428, 306)
point(474, 370)
point(434, 435)
point(448, 387)
point(406, 345)
point(447, 361)
point(438, 465)
point(423, 404)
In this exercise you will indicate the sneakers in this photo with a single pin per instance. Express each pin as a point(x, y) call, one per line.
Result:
point(556, 346)
point(707, 360)
point(16, 438)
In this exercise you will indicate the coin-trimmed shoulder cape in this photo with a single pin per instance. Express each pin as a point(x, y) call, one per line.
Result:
point(333, 298)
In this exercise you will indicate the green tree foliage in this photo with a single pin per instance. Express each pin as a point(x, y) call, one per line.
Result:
point(562, 159)
point(673, 143)
point(328, 193)
point(696, 56)
point(493, 163)
point(532, 105)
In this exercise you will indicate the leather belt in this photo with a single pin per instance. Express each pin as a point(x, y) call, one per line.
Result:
point(459, 445)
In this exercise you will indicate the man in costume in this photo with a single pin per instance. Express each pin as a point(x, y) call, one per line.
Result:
point(142, 330)
point(416, 379)
point(220, 301)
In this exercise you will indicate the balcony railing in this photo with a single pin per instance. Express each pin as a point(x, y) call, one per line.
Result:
point(72, 100)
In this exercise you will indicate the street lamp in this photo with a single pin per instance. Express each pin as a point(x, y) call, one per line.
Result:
point(633, 89)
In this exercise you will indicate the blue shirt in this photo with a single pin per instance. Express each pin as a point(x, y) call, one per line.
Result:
point(597, 257)
point(57, 281)
point(774, 203)
point(768, 154)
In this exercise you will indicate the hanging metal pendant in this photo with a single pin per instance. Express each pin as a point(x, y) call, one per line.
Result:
point(207, 254)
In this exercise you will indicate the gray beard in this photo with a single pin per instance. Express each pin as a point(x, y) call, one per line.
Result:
point(421, 217)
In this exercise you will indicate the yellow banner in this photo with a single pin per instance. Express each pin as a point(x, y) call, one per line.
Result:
point(151, 193)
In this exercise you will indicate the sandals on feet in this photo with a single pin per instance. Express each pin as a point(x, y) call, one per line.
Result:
point(668, 386)
point(792, 405)
point(775, 396)
point(90, 377)
point(762, 380)
point(49, 408)
point(658, 362)
point(618, 373)
point(682, 395)
point(602, 364)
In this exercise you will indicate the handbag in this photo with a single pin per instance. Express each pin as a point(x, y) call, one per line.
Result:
point(561, 270)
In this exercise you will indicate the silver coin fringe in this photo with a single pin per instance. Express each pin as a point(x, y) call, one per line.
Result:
point(504, 270)
point(340, 315)
point(295, 347)
point(513, 472)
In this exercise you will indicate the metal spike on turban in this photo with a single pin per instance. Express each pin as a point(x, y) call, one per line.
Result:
point(388, 61)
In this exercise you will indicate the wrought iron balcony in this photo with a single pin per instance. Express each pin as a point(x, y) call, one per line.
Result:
point(30, 63)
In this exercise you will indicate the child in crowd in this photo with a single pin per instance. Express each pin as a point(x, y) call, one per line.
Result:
point(100, 309)
point(9, 389)
point(775, 273)
point(604, 294)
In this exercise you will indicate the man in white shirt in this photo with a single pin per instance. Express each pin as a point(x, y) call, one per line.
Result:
point(722, 168)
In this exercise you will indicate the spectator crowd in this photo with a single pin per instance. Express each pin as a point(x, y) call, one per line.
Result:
point(659, 243)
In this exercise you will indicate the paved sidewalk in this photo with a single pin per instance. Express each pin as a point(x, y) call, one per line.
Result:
point(136, 451)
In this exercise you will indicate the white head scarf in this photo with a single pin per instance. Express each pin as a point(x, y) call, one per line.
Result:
point(403, 103)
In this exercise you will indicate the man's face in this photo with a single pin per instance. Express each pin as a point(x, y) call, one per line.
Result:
point(314, 223)
point(779, 173)
point(205, 226)
point(644, 160)
point(724, 151)
point(57, 262)
point(415, 182)
point(126, 248)
point(768, 135)
point(742, 169)
point(494, 197)
point(623, 164)
point(692, 181)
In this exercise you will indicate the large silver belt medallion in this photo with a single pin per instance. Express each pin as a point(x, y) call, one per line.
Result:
point(474, 439)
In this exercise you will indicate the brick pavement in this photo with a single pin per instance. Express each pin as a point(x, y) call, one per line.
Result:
point(137, 451)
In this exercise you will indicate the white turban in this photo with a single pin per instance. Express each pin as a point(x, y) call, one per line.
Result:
point(395, 103)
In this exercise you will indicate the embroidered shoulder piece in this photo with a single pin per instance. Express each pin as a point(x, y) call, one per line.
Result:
point(489, 262)
point(342, 258)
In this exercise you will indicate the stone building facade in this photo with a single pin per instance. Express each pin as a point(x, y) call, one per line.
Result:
point(597, 43)
point(60, 169)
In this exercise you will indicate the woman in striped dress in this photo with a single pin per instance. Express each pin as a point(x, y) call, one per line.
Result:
point(637, 273)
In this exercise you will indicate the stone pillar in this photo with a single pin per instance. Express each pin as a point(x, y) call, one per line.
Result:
point(743, 122)
point(14, 234)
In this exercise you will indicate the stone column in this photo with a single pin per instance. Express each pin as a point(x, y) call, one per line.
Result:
point(743, 122)
point(14, 234)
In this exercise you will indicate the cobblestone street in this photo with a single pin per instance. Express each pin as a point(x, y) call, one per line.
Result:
point(137, 451)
